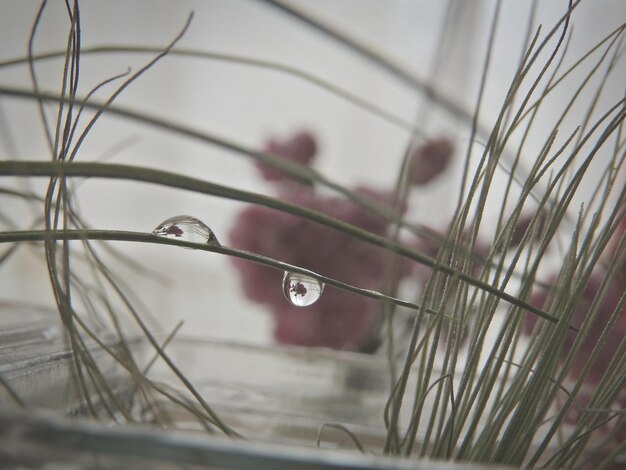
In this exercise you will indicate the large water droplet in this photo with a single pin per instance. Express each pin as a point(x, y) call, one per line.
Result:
point(187, 228)
point(301, 290)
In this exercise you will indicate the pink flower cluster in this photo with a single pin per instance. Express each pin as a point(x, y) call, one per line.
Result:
point(339, 320)
point(430, 159)
point(301, 148)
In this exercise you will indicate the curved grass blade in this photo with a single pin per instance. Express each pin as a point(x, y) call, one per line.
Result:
point(74, 169)
point(346, 95)
point(41, 235)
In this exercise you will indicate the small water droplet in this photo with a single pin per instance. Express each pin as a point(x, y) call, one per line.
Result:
point(187, 228)
point(301, 290)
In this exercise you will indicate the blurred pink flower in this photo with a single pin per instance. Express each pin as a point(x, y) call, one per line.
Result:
point(522, 226)
point(430, 159)
point(338, 320)
point(301, 148)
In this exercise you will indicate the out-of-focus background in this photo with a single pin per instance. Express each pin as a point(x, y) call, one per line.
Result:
point(247, 105)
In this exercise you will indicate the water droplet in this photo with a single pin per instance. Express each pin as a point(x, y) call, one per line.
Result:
point(187, 228)
point(301, 290)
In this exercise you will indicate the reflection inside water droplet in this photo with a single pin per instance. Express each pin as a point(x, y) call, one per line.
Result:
point(301, 290)
point(187, 228)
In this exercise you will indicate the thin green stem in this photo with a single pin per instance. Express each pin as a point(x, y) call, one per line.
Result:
point(127, 172)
